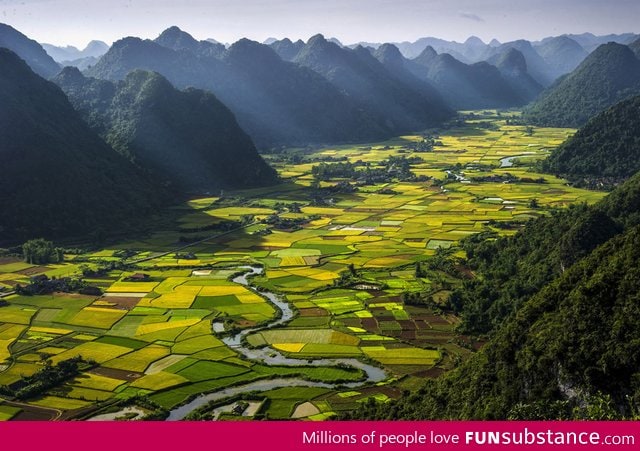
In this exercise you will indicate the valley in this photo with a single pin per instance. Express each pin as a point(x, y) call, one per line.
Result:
point(360, 241)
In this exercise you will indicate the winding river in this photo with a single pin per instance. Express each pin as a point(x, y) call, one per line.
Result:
point(270, 356)
point(507, 162)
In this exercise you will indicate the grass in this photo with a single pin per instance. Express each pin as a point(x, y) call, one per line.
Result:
point(8, 412)
point(101, 318)
point(159, 381)
point(100, 352)
point(16, 314)
point(203, 370)
point(97, 382)
point(56, 402)
point(298, 336)
point(194, 345)
point(403, 356)
point(139, 360)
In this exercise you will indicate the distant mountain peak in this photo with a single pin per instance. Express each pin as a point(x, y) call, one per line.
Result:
point(174, 38)
point(389, 53)
point(173, 30)
point(70, 74)
point(426, 56)
point(512, 59)
point(474, 41)
point(245, 51)
point(287, 49)
point(123, 42)
point(96, 48)
point(316, 38)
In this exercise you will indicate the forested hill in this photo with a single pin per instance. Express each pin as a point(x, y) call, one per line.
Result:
point(607, 76)
point(187, 139)
point(49, 153)
point(561, 302)
point(603, 152)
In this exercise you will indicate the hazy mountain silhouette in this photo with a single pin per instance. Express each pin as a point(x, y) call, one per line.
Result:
point(590, 42)
point(186, 138)
point(537, 67)
point(287, 49)
point(94, 49)
point(275, 101)
point(362, 77)
point(513, 67)
point(562, 54)
point(176, 39)
point(635, 47)
point(29, 50)
point(465, 86)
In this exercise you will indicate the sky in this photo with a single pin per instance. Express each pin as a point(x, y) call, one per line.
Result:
point(75, 22)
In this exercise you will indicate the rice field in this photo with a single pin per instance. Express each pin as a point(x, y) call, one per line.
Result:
point(343, 260)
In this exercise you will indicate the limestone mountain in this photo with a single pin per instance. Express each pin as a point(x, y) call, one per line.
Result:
point(635, 47)
point(29, 50)
point(537, 67)
point(94, 49)
point(513, 66)
point(187, 139)
point(562, 54)
point(275, 101)
point(465, 86)
point(286, 49)
point(366, 80)
point(59, 178)
point(607, 76)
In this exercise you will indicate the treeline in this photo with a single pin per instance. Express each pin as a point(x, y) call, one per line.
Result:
point(603, 153)
point(48, 377)
point(393, 168)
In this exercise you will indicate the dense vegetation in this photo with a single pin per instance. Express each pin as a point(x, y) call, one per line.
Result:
point(48, 152)
point(607, 76)
point(186, 139)
point(603, 152)
point(41, 252)
point(560, 299)
point(48, 377)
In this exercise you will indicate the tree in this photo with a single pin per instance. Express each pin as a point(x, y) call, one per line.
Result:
point(40, 252)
